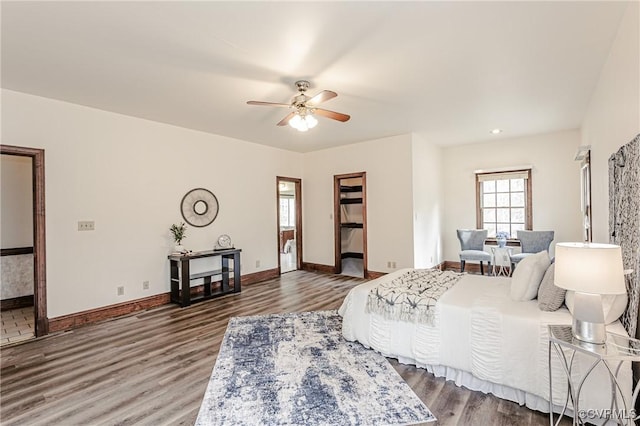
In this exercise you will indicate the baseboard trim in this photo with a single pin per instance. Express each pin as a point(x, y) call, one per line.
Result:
point(67, 322)
point(257, 277)
point(16, 302)
point(318, 267)
point(372, 275)
point(78, 319)
point(474, 268)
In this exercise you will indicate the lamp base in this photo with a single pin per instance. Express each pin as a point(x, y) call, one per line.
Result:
point(589, 332)
point(588, 318)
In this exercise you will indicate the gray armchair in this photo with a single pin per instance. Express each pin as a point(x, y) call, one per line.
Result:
point(532, 242)
point(471, 244)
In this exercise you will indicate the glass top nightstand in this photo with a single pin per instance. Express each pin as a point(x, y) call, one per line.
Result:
point(612, 354)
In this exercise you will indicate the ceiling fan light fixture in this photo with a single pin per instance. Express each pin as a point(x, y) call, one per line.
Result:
point(297, 123)
point(304, 108)
point(311, 121)
point(303, 122)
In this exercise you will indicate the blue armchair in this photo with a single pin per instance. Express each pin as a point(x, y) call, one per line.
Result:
point(532, 242)
point(471, 244)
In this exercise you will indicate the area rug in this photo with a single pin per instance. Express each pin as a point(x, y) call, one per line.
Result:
point(297, 369)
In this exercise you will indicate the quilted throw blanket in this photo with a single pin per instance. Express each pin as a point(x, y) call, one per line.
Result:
point(412, 296)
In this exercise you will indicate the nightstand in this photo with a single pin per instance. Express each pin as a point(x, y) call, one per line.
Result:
point(501, 259)
point(612, 354)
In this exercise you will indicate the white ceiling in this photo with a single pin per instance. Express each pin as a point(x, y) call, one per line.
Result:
point(451, 71)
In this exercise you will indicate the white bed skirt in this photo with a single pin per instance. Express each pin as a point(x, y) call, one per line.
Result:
point(484, 341)
point(469, 381)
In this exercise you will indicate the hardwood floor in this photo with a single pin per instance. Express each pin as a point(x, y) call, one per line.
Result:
point(152, 367)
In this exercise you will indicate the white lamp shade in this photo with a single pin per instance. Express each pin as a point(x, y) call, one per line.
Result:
point(590, 268)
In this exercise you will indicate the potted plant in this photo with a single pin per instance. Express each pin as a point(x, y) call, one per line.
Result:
point(178, 231)
point(501, 237)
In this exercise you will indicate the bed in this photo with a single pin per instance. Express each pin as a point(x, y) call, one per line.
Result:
point(481, 339)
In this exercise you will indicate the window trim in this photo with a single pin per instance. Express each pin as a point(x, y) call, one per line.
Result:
point(528, 220)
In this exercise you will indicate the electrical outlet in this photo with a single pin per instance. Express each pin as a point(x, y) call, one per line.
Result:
point(86, 225)
point(388, 264)
point(257, 263)
point(393, 265)
point(120, 290)
point(145, 285)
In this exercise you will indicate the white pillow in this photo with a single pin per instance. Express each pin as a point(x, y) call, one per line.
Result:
point(613, 305)
point(528, 275)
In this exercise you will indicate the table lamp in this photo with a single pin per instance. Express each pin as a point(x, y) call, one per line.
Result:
point(590, 270)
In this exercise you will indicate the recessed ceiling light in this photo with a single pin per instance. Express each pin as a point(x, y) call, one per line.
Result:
point(496, 131)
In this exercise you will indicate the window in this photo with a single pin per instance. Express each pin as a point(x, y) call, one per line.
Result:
point(504, 201)
point(287, 211)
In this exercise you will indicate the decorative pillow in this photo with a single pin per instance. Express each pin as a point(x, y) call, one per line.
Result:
point(528, 275)
point(613, 305)
point(550, 296)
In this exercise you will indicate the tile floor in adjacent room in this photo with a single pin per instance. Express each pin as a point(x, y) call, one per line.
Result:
point(287, 262)
point(17, 325)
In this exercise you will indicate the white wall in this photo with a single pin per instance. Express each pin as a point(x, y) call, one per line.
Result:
point(555, 179)
point(613, 117)
point(16, 204)
point(129, 175)
point(387, 162)
point(427, 202)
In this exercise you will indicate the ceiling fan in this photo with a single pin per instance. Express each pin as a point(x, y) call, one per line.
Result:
point(304, 108)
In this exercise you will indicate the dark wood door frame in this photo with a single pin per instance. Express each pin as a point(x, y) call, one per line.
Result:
point(298, 200)
point(336, 220)
point(39, 234)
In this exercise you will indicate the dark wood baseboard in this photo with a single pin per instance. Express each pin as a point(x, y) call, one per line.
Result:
point(257, 277)
point(372, 275)
point(78, 319)
point(16, 303)
point(318, 267)
point(473, 268)
point(328, 269)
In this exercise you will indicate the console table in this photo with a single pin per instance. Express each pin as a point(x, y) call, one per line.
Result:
point(180, 276)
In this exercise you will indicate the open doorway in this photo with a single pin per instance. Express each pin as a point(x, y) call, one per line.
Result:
point(350, 219)
point(25, 250)
point(289, 195)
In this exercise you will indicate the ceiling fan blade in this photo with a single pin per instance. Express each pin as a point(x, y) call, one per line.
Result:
point(332, 114)
point(285, 120)
point(268, 104)
point(323, 96)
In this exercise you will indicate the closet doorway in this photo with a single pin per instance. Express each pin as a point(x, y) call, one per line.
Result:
point(37, 251)
point(289, 195)
point(350, 220)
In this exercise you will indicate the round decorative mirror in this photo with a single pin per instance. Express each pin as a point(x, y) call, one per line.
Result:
point(199, 207)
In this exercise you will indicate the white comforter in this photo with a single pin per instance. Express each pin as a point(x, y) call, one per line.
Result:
point(482, 340)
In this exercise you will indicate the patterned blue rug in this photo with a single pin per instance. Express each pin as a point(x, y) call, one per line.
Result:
point(297, 369)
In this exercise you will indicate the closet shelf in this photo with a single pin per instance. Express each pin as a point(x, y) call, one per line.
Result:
point(351, 201)
point(352, 255)
point(351, 225)
point(352, 188)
